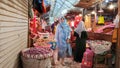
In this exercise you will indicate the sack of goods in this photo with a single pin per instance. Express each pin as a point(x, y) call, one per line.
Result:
point(87, 60)
point(99, 46)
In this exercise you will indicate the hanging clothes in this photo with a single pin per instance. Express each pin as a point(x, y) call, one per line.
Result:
point(116, 21)
point(33, 27)
point(44, 7)
point(87, 21)
point(77, 20)
point(39, 6)
point(44, 24)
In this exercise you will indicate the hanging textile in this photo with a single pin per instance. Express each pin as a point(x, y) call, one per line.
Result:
point(44, 7)
point(39, 6)
point(87, 21)
point(101, 20)
point(33, 26)
point(77, 20)
point(116, 21)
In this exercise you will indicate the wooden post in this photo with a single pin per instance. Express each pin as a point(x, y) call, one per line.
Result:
point(118, 33)
point(117, 64)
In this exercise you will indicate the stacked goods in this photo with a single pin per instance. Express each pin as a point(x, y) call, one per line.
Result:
point(87, 60)
point(42, 42)
point(99, 46)
point(37, 53)
point(43, 35)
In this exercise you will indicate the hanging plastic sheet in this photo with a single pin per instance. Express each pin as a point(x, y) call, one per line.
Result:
point(58, 7)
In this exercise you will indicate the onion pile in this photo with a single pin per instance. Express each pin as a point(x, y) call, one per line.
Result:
point(37, 53)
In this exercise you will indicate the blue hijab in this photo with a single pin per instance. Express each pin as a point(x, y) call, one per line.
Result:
point(65, 26)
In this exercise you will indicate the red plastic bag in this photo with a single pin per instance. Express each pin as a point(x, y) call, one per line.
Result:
point(87, 60)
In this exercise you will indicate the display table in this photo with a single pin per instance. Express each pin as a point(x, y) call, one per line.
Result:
point(99, 46)
point(101, 49)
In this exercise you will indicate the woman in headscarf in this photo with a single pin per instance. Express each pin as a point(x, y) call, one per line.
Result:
point(81, 36)
point(62, 38)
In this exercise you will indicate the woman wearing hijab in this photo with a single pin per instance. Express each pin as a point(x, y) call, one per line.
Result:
point(81, 36)
point(62, 39)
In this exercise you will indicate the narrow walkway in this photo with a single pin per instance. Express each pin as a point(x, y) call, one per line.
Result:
point(68, 64)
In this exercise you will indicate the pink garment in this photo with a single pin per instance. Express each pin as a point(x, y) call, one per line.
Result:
point(34, 25)
point(100, 30)
point(87, 60)
point(33, 28)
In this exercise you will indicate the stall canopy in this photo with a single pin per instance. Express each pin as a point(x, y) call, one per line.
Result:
point(60, 7)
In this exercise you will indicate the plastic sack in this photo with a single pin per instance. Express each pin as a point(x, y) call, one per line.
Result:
point(87, 60)
point(53, 45)
point(99, 46)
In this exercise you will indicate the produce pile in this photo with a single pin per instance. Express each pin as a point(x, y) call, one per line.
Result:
point(99, 46)
point(37, 53)
point(43, 41)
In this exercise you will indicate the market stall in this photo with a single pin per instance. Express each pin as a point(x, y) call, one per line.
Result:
point(41, 54)
point(98, 23)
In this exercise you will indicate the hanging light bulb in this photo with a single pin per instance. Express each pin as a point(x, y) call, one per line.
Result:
point(64, 12)
point(80, 15)
point(93, 12)
point(106, 1)
point(111, 6)
point(72, 23)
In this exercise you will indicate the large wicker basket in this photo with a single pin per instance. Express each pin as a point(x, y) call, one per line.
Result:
point(35, 61)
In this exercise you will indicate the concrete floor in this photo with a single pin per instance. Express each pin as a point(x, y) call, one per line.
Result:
point(68, 64)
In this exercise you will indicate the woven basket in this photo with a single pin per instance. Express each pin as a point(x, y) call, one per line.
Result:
point(36, 63)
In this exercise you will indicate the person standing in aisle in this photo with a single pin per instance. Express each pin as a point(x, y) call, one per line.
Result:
point(62, 37)
point(55, 51)
point(81, 36)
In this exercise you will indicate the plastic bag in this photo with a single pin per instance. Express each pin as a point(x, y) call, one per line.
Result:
point(99, 46)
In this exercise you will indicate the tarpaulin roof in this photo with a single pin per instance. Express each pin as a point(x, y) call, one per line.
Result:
point(60, 7)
